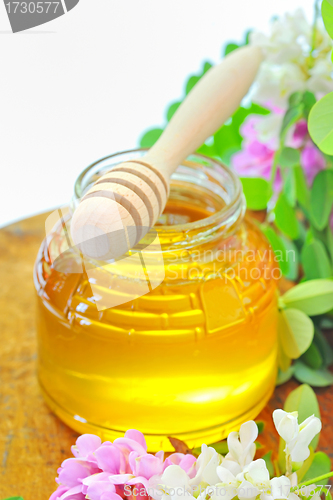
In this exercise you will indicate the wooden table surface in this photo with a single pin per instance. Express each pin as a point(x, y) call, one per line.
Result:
point(33, 442)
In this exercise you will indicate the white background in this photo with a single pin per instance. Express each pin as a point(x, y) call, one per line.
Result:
point(90, 82)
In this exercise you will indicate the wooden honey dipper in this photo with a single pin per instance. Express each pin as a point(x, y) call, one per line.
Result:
point(126, 202)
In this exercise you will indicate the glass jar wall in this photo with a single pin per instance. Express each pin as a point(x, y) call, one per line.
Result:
point(188, 348)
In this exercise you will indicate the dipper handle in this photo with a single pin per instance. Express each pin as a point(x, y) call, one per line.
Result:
point(126, 202)
point(212, 101)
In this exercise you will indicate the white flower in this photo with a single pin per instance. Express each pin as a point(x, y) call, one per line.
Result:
point(173, 484)
point(241, 444)
point(320, 81)
point(227, 485)
point(257, 473)
point(287, 40)
point(288, 66)
point(206, 466)
point(275, 84)
point(297, 437)
point(268, 129)
point(246, 485)
point(247, 491)
point(280, 487)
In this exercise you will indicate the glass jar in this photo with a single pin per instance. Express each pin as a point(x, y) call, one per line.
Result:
point(195, 356)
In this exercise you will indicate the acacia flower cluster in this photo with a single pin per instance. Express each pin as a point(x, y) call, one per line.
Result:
point(124, 469)
point(297, 59)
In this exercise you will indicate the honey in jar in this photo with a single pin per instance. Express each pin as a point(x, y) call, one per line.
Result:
point(188, 346)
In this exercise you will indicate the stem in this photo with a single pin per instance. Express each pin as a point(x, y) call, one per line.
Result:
point(289, 465)
point(312, 481)
point(274, 166)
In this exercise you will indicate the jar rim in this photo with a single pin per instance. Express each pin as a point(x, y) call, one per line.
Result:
point(236, 203)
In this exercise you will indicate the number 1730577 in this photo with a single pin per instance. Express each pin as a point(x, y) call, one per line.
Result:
point(40, 7)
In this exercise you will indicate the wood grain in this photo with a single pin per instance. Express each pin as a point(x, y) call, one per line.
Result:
point(33, 442)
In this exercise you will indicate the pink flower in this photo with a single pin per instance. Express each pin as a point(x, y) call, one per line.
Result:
point(73, 494)
point(186, 462)
point(109, 458)
point(57, 494)
point(298, 135)
point(97, 486)
point(73, 470)
point(101, 471)
point(85, 445)
point(255, 160)
point(146, 465)
point(260, 145)
point(312, 161)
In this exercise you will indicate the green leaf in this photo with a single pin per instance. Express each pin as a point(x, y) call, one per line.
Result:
point(227, 137)
point(324, 348)
point(284, 361)
point(296, 332)
point(191, 82)
point(302, 235)
point(256, 109)
point(221, 447)
point(269, 463)
point(285, 217)
point(295, 98)
point(305, 466)
point(319, 235)
point(312, 297)
point(206, 67)
point(243, 112)
point(257, 192)
point(14, 498)
point(208, 150)
point(321, 199)
point(321, 123)
point(292, 258)
point(302, 190)
point(329, 241)
point(230, 48)
point(283, 377)
point(292, 116)
point(289, 187)
point(309, 101)
point(317, 378)
point(226, 156)
point(321, 465)
point(312, 357)
point(327, 13)
point(289, 157)
point(315, 260)
point(261, 426)
point(172, 110)
point(278, 247)
point(304, 401)
point(150, 137)
point(247, 36)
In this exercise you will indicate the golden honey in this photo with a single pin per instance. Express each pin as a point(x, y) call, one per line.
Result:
point(192, 357)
